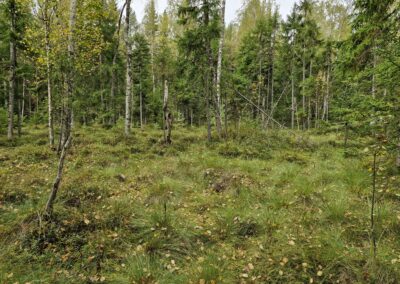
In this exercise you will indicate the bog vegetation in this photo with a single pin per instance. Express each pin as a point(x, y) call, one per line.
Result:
point(186, 149)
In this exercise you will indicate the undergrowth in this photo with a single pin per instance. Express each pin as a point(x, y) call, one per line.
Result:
point(260, 208)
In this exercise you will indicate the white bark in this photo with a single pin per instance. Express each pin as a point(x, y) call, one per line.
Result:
point(219, 68)
point(128, 89)
point(68, 112)
point(48, 69)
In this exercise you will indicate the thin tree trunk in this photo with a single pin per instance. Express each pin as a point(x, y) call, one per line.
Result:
point(326, 97)
point(293, 98)
point(153, 76)
point(19, 121)
point(68, 111)
point(316, 108)
point(29, 109)
point(13, 66)
point(219, 70)
point(112, 91)
point(303, 95)
point(373, 87)
point(113, 118)
point(272, 89)
point(56, 184)
point(128, 89)
point(167, 116)
point(49, 87)
point(309, 113)
point(23, 99)
point(132, 109)
point(141, 99)
point(328, 94)
point(372, 218)
point(206, 20)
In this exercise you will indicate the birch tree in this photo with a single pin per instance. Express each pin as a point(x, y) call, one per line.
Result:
point(47, 13)
point(219, 69)
point(128, 55)
point(67, 109)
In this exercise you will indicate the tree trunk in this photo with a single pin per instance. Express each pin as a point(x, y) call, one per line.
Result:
point(128, 89)
point(67, 136)
point(112, 91)
point(309, 113)
point(303, 95)
point(373, 82)
point(207, 71)
point(293, 99)
point(140, 100)
point(56, 184)
point(167, 116)
point(316, 108)
point(49, 90)
point(326, 97)
point(13, 66)
point(153, 76)
point(19, 117)
point(219, 70)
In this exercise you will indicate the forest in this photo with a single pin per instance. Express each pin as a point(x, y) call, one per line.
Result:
point(189, 147)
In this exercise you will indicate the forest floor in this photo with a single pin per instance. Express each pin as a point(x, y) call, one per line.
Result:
point(261, 208)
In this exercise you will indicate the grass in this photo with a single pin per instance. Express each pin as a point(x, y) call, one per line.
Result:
point(260, 208)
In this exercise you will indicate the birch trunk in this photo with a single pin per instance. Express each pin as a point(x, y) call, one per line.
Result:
point(219, 69)
point(207, 71)
point(128, 89)
point(68, 111)
point(49, 89)
point(13, 65)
